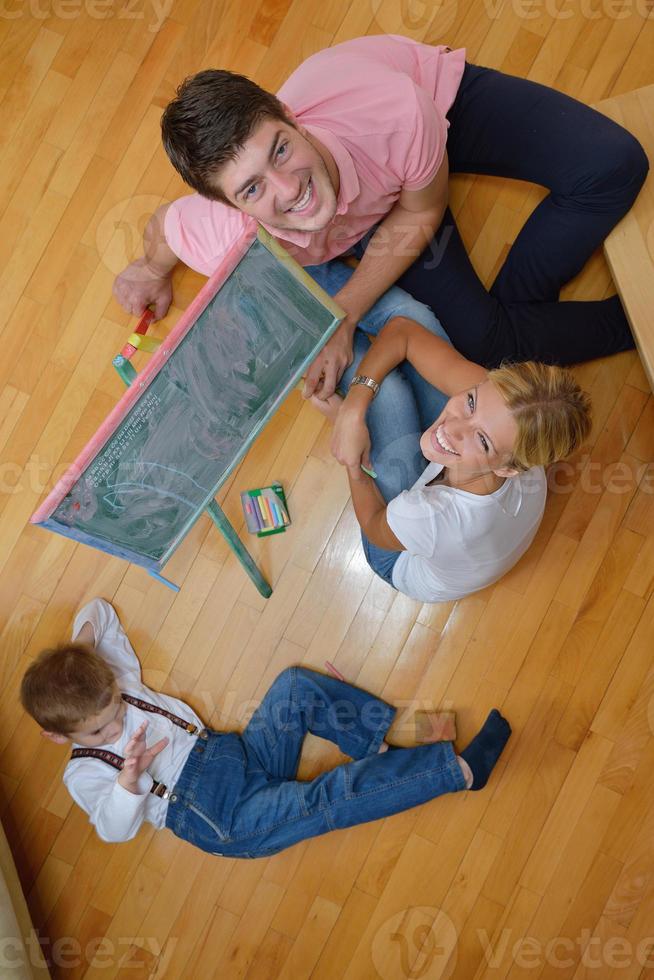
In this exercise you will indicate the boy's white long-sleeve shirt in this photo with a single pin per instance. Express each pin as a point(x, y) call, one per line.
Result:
point(116, 813)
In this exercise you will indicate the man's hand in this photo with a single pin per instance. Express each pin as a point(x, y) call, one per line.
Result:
point(138, 758)
point(325, 372)
point(139, 286)
point(351, 441)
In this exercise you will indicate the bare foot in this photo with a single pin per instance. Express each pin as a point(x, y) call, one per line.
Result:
point(328, 407)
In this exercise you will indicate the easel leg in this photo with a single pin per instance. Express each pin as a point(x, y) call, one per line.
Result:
point(239, 549)
point(164, 581)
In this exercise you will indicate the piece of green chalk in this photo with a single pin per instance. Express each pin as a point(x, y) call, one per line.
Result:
point(369, 472)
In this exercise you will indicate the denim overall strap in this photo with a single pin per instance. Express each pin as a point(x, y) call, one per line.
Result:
point(117, 761)
point(188, 726)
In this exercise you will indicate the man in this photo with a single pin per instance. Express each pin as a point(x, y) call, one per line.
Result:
point(354, 158)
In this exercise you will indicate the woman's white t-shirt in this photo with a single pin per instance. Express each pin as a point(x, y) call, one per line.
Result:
point(458, 542)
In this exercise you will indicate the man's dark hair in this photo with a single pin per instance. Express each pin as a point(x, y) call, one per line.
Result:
point(209, 122)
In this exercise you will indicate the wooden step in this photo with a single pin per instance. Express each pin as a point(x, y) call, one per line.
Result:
point(629, 249)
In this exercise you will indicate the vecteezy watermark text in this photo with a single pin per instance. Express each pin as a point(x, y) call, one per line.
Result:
point(416, 943)
point(565, 9)
point(68, 953)
point(154, 10)
point(421, 944)
point(411, 16)
point(588, 476)
point(563, 952)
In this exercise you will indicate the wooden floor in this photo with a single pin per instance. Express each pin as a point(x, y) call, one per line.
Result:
point(548, 873)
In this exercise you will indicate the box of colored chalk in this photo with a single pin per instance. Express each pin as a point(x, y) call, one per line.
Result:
point(265, 510)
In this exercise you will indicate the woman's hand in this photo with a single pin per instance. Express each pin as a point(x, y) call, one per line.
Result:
point(351, 439)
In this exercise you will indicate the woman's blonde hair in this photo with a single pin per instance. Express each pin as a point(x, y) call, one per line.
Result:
point(552, 412)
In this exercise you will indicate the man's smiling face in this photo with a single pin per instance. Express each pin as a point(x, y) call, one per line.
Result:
point(281, 179)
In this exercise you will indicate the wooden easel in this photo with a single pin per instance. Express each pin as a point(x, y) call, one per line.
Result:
point(239, 348)
point(122, 363)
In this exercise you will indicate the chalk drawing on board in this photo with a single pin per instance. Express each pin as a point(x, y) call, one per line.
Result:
point(159, 459)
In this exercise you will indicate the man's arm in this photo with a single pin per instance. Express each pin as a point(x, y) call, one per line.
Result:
point(436, 360)
point(401, 237)
point(148, 280)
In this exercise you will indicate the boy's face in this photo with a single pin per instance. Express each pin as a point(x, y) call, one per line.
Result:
point(102, 729)
point(281, 179)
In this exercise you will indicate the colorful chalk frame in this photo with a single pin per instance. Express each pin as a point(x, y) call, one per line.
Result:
point(193, 412)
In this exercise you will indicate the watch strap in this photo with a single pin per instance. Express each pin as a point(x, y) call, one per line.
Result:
point(362, 379)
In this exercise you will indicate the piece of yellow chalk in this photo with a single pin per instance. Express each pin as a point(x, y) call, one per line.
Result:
point(269, 511)
point(262, 510)
point(148, 344)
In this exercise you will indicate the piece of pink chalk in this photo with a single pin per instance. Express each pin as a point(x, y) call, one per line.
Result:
point(332, 670)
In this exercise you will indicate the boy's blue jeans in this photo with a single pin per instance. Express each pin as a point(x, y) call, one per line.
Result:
point(238, 795)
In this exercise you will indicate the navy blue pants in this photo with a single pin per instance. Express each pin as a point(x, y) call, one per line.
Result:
point(593, 168)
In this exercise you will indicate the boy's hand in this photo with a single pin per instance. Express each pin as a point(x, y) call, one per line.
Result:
point(138, 758)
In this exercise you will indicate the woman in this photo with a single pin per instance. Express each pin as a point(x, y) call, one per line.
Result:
point(475, 508)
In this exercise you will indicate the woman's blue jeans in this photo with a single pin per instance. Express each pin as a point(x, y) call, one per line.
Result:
point(238, 795)
point(405, 406)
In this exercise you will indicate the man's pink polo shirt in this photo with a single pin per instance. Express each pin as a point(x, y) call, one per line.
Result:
point(378, 104)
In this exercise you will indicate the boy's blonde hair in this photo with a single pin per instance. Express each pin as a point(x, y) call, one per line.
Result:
point(552, 412)
point(66, 685)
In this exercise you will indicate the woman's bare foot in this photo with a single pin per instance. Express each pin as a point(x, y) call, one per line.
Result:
point(328, 407)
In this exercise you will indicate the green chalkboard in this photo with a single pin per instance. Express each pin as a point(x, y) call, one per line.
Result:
point(170, 452)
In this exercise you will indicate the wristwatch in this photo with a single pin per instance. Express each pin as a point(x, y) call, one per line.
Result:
point(361, 379)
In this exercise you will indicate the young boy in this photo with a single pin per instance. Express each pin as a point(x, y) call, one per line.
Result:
point(229, 794)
